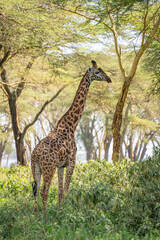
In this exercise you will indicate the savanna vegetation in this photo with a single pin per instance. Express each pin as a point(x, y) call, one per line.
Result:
point(106, 201)
point(45, 49)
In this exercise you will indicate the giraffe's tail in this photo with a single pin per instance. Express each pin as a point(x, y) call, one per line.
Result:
point(36, 174)
point(34, 187)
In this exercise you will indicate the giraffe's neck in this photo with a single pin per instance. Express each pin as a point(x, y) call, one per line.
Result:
point(72, 117)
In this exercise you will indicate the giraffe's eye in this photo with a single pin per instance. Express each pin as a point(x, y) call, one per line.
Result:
point(96, 72)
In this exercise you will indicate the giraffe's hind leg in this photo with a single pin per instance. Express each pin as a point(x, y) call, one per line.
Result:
point(60, 184)
point(36, 184)
point(69, 172)
point(47, 178)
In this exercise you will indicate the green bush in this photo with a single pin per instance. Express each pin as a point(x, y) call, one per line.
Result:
point(105, 201)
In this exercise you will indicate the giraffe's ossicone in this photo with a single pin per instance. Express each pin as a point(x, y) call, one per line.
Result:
point(58, 149)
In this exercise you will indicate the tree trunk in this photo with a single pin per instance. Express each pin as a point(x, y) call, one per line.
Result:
point(94, 154)
point(7, 160)
point(1, 152)
point(117, 120)
point(130, 147)
point(0, 157)
point(136, 150)
point(100, 152)
point(20, 149)
point(89, 151)
point(143, 152)
point(87, 137)
point(149, 136)
point(2, 148)
point(107, 144)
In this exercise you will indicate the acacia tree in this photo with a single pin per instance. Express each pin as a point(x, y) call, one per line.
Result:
point(27, 30)
point(18, 133)
point(119, 19)
point(146, 39)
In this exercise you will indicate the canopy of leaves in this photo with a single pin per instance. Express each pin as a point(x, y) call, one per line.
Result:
point(152, 64)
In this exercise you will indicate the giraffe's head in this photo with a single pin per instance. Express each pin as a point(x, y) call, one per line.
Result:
point(98, 74)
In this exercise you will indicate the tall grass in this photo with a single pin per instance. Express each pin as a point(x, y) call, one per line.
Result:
point(105, 201)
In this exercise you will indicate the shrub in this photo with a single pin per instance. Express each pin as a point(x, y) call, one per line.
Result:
point(105, 201)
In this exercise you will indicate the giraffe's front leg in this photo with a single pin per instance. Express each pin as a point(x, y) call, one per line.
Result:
point(47, 178)
point(60, 184)
point(69, 172)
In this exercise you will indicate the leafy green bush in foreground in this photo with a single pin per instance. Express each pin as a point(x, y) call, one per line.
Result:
point(105, 202)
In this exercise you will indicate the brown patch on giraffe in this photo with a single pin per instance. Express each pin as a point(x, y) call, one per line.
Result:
point(75, 119)
point(77, 111)
point(81, 102)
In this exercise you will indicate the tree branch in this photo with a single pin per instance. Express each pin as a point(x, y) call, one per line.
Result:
point(41, 110)
point(76, 13)
point(16, 22)
point(113, 29)
point(4, 59)
point(11, 56)
point(144, 24)
point(143, 48)
point(23, 79)
point(118, 51)
point(5, 83)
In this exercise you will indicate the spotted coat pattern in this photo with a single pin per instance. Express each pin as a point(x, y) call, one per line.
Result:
point(58, 149)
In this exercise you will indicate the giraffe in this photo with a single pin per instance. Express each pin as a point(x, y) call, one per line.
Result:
point(58, 149)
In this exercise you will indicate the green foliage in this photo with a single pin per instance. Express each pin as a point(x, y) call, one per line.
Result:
point(152, 64)
point(105, 202)
point(144, 123)
point(32, 25)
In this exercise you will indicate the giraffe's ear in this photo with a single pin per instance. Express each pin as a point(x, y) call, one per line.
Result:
point(89, 69)
point(94, 64)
